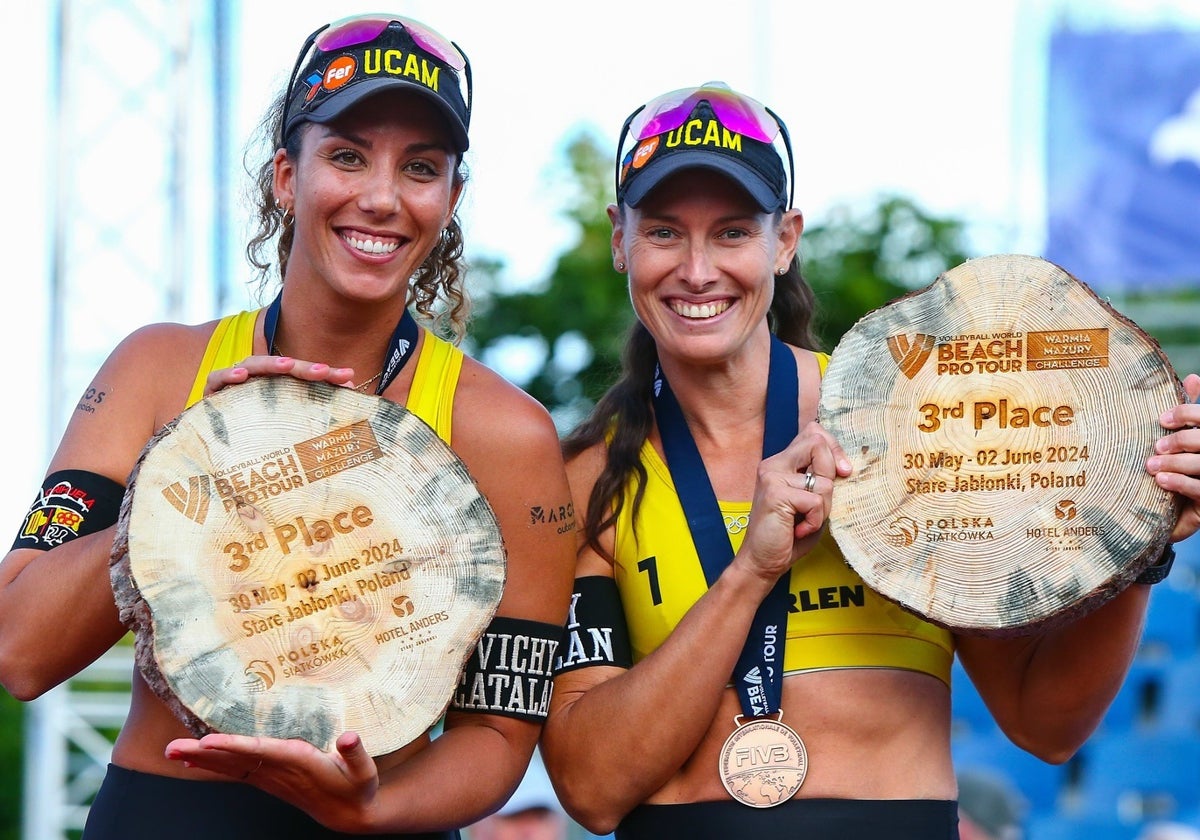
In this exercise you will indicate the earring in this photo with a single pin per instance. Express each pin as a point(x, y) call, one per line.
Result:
point(620, 266)
point(285, 213)
point(781, 271)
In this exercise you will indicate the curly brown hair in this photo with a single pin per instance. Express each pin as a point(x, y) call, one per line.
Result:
point(437, 290)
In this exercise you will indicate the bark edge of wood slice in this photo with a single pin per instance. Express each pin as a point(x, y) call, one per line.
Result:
point(998, 422)
point(297, 560)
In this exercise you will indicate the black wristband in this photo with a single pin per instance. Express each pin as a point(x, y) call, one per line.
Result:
point(510, 672)
point(1159, 571)
point(596, 632)
point(70, 505)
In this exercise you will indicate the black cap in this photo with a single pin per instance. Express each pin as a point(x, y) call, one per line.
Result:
point(704, 143)
point(330, 82)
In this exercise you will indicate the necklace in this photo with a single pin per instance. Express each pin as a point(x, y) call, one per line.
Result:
point(401, 346)
point(361, 387)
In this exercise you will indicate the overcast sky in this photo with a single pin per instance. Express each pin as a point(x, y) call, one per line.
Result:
point(914, 97)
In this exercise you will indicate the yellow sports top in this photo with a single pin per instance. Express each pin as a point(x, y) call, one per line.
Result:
point(834, 619)
point(431, 396)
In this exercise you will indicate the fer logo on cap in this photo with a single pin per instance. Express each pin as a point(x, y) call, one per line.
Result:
point(340, 71)
point(644, 152)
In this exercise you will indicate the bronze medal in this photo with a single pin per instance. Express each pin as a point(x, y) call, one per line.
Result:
point(763, 762)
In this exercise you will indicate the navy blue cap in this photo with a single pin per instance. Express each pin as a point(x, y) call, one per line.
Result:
point(703, 143)
point(331, 82)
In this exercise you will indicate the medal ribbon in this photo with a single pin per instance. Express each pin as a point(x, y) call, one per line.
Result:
point(400, 347)
point(758, 674)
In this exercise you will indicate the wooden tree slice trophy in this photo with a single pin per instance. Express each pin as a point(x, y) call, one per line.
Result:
point(298, 560)
point(998, 422)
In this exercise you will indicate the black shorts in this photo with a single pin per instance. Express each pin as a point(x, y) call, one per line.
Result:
point(142, 806)
point(845, 819)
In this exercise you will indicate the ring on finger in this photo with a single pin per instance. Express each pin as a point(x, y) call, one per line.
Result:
point(810, 481)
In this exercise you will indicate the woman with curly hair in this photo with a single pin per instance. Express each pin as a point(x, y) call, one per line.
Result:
point(360, 194)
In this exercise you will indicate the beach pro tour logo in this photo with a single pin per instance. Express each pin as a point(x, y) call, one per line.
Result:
point(191, 499)
point(755, 691)
point(396, 358)
point(910, 353)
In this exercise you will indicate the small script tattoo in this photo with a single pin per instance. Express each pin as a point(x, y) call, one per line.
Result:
point(91, 399)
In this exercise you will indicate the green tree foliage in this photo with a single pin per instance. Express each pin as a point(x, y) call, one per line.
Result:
point(582, 304)
point(11, 768)
point(855, 260)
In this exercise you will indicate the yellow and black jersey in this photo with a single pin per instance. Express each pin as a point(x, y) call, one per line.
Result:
point(834, 619)
point(431, 396)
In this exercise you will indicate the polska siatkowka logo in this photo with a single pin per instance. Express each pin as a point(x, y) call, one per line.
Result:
point(910, 353)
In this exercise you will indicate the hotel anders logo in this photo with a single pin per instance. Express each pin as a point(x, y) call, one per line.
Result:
point(910, 353)
point(403, 606)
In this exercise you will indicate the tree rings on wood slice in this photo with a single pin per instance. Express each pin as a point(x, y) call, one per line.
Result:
point(298, 560)
point(998, 422)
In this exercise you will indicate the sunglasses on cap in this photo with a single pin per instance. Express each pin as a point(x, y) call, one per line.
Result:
point(738, 113)
point(362, 29)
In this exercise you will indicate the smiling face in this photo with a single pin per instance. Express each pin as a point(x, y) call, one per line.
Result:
point(371, 193)
point(701, 260)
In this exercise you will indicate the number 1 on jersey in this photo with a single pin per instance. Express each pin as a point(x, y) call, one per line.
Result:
point(650, 567)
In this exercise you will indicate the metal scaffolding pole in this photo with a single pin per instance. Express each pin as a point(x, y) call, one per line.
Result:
point(135, 238)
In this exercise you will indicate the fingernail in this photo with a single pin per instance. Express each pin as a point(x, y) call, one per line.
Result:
point(1153, 464)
